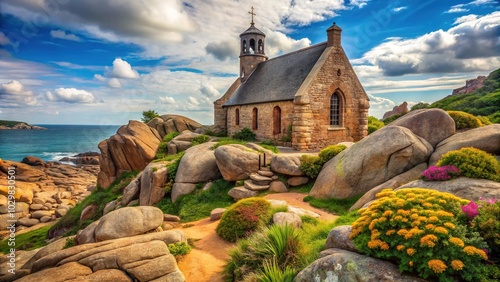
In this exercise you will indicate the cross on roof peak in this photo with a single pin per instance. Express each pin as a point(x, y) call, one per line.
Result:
point(253, 14)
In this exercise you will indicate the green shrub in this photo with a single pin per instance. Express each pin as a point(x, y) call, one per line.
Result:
point(484, 120)
point(245, 134)
point(70, 242)
point(179, 249)
point(288, 134)
point(420, 105)
point(244, 217)
point(272, 273)
point(200, 139)
point(473, 163)
point(424, 232)
point(374, 124)
point(161, 152)
point(329, 152)
point(168, 137)
point(312, 165)
point(487, 223)
point(464, 120)
point(279, 247)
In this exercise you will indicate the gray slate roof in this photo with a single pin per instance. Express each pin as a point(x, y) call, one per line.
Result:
point(277, 79)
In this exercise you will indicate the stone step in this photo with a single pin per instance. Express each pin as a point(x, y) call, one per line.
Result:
point(267, 173)
point(249, 184)
point(241, 192)
point(260, 180)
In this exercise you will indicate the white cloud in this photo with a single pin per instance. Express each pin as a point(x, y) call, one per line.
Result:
point(114, 83)
point(464, 19)
point(167, 100)
point(359, 3)
point(122, 69)
point(4, 40)
point(61, 34)
point(471, 45)
point(99, 77)
point(457, 10)
point(209, 91)
point(71, 95)
point(398, 9)
point(14, 94)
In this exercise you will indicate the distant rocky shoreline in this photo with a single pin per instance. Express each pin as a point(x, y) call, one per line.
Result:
point(22, 126)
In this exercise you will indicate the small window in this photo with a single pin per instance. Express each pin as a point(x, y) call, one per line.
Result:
point(252, 45)
point(335, 110)
point(244, 46)
point(276, 120)
point(237, 116)
point(255, 119)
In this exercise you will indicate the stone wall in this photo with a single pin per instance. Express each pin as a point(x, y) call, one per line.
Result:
point(311, 120)
point(220, 112)
point(265, 119)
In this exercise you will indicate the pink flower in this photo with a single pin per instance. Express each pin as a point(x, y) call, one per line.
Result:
point(436, 173)
point(470, 210)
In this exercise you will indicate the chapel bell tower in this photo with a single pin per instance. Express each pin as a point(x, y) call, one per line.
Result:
point(251, 49)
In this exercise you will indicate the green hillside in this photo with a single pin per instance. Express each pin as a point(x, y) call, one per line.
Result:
point(9, 123)
point(485, 101)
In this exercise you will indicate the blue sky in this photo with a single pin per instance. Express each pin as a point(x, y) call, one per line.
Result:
point(105, 61)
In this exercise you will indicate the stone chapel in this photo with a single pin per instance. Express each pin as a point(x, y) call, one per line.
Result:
point(313, 92)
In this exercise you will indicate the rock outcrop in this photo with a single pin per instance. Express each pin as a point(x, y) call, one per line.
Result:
point(466, 188)
point(22, 126)
point(236, 162)
point(131, 148)
point(137, 258)
point(470, 85)
point(47, 190)
point(485, 138)
point(371, 162)
point(343, 265)
point(397, 110)
point(91, 158)
point(433, 125)
point(166, 124)
point(198, 165)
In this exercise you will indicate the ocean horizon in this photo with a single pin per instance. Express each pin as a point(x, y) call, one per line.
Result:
point(55, 143)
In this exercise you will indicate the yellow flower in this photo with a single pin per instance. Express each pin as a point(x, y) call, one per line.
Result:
point(398, 217)
point(387, 213)
point(449, 225)
point(422, 218)
point(372, 224)
point(400, 247)
point(457, 265)
point(384, 246)
point(437, 265)
point(470, 250)
point(390, 232)
point(441, 230)
point(426, 204)
point(414, 216)
point(428, 240)
point(456, 241)
point(410, 263)
point(410, 251)
point(400, 202)
point(375, 234)
point(429, 226)
point(373, 243)
point(443, 202)
point(416, 223)
point(385, 193)
point(402, 232)
point(382, 219)
point(433, 218)
point(444, 213)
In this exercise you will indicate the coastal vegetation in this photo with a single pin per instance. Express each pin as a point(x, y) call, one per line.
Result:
point(9, 123)
point(148, 115)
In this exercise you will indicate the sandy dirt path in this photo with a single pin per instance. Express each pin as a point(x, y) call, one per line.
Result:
point(206, 260)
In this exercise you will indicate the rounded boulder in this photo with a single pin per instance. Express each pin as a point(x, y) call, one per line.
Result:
point(128, 221)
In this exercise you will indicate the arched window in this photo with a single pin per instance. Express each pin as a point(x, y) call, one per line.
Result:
point(255, 119)
point(252, 45)
point(237, 115)
point(276, 120)
point(335, 110)
point(261, 47)
point(244, 46)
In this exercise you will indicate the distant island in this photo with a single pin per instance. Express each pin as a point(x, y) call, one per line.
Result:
point(10, 125)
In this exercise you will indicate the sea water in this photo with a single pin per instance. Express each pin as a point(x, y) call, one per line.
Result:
point(56, 142)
